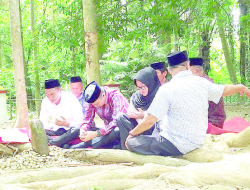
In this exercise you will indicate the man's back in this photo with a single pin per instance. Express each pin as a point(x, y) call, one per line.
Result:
point(185, 99)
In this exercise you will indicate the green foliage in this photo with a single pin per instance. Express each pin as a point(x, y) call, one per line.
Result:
point(132, 34)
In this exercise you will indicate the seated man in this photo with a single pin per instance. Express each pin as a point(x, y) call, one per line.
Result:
point(61, 114)
point(182, 104)
point(160, 68)
point(107, 103)
point(216, 113)
point(76, 88)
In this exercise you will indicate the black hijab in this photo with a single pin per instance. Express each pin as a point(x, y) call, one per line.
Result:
point(148, 77)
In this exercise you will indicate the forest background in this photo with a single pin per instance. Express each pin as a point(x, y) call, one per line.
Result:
point(131, 35)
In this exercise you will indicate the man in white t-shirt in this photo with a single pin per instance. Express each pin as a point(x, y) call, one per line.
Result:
point(182, 104)
point(61, 114)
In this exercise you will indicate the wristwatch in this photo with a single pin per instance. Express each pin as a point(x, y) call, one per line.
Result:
point(99, 133)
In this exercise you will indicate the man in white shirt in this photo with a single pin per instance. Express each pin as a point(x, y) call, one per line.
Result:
point(61, 114)
point(182, 104)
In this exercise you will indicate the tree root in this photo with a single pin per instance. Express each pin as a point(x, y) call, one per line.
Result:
point(7, 150)
point(117, 156)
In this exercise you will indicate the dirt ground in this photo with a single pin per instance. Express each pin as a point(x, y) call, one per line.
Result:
point(237, 111)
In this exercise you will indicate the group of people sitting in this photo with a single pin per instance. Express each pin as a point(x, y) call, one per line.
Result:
point(162, 118)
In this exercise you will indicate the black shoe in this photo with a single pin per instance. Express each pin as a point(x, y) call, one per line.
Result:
point(51, 142)
point(66, 146)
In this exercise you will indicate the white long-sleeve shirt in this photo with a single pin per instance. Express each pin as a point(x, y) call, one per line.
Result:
point(69, 108)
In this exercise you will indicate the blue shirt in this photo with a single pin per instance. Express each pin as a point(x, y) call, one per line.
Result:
point(83, 103)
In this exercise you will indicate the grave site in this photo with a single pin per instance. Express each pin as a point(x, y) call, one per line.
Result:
point(222, 163)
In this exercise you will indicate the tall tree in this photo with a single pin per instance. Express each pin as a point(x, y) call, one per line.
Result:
point(1, 52)
point(243, 39)
point(91, 41)
point(22, 119)
point(226, 52)
point(204, 48)
point(35, 55)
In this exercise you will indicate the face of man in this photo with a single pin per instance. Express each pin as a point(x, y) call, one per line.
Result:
point(100, 101)
point(54, 95)
point(161, 76)
point(76, 88)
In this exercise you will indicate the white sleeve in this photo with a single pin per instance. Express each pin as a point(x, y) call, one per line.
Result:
point(160, 105)
point(76, 112)
point(131, 107)
point(44, 115)
point(215, 92)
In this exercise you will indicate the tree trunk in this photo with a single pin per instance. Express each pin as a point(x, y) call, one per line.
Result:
point(73, 55)
point(6, 150)
point(230, 66)
point(243, 40)
point(1, 52)
point(204, 48)
point(39, 140)
point(168, 43)
point(22, 119)
point(27, 80)
point(91, 41)
point(35, 56)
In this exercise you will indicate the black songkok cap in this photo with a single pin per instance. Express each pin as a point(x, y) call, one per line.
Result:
point(177, 58)
point(75, 79)
point(51, 83)
point(159, 66)
point(92, 92)
point(196, 61)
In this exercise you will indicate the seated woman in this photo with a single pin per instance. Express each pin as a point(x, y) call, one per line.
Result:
point(147, 84)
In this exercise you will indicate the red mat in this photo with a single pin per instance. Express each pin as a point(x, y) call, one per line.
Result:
point(16, 135)
point(234, 125)
point(22, 135)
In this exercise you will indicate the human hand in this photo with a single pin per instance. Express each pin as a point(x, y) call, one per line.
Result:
point(136, 115)
point(126, 142)
point(246, 91)
point(88, 135)
point(140, 114)
point(82, 133)
point(62, 122)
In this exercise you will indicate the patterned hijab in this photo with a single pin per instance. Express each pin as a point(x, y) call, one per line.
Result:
point(148, 77)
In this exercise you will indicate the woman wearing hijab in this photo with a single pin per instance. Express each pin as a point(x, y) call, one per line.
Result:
point(147, 84)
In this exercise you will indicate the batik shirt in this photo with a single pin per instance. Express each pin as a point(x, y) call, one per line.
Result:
point(115, 103)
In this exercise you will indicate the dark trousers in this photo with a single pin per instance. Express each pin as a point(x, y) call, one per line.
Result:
point(126, 124)
point(64, 136)
point(152, 145)
point(106, 141)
